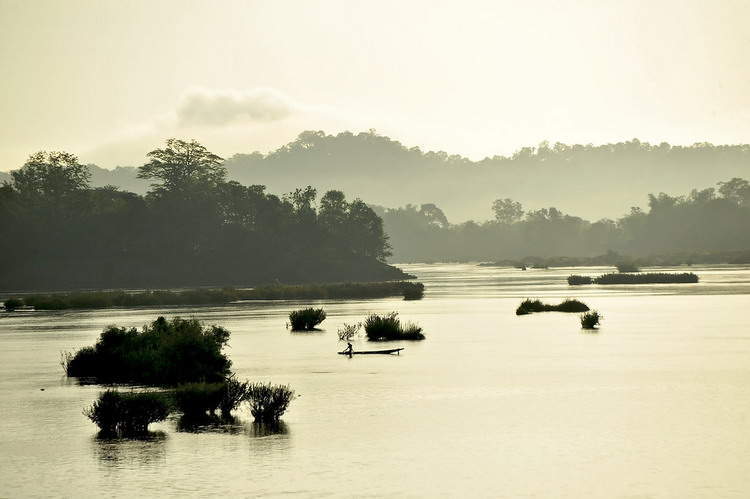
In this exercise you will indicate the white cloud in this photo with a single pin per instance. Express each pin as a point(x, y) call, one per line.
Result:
point(218, 108)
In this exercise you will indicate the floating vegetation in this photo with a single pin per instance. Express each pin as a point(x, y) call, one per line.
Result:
point(413, 290)
point(569, 305)
point(12, 304)
point(388, 327)
point(628, 278)
point(306, 319)
point(590, 320)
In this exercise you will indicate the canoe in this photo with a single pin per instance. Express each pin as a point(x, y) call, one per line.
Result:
point(370, 352)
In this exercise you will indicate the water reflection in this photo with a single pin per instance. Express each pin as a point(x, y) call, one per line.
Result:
point(145, 449)
point(210, 423)
point(259, 430)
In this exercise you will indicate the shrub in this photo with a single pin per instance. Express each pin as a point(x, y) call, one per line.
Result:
point(627, 267)
point(577, 280)
point(388, 327)
point(127, 413)
point(196, 399)
point(268, 402)
point(348, 331)
point(590, 320)
point(568, 305)
point(12, 303)
point(234, 392)
point(413, 290)
point(306, 319)
point(165, 353)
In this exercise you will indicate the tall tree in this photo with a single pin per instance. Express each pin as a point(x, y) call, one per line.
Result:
point(51, 176)
point(182, 165)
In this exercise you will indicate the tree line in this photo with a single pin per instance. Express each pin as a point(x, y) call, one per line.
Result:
point(193, 227)
point(711, 220)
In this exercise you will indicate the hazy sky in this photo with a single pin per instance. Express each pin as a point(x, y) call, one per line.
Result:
point(109, 80)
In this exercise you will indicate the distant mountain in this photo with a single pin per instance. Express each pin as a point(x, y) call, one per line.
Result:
point(586, 180)
point(589, 181)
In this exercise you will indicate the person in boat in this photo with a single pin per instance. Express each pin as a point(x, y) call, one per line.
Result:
point(349, 348)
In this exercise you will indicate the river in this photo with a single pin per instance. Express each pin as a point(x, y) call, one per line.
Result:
point(656, 404)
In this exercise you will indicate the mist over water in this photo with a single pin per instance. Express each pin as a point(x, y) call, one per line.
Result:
point(655, 404)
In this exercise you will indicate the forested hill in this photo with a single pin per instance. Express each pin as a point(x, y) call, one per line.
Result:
point(193, 228)
point(590, 181)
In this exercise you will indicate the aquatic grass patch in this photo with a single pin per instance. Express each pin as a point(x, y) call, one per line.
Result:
point(127, 413)
point(348, 331)
point(590, 320)
point(388, 327)
point(636, 278)
point(164, 353)
point(529, 306)
point(268, 402)
point(197, 399)
point(579, 280)
point(205, 296)
point(306, 319)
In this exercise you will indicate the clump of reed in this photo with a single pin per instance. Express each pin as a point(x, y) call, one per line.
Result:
point(529, 306)
point(306, 319)
point(388, 327)
point(348, 331)
point(164, 353)
point(268, 402)
point(127, 413)
point(413, 290)
point(578, 280)
point(10, 304)
point(590, 320)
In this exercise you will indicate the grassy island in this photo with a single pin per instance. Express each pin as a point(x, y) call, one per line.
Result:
point(110, 299)
point(529, 306)
point(388, 327)
point(635, 278)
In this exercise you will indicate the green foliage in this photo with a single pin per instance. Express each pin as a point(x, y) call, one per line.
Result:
point(568, 305)
point(233, 394)
point(388, 327)
point(164, 353)
point(268, 402)
point(306, 319)
point(127, 413)
point(11, 304)
point(590, 320)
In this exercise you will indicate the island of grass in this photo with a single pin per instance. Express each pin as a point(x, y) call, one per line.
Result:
point(529, 306)
point(633, 278)
point(306, 319)
point(388, 327)
point(184, 359)
point(110, 299)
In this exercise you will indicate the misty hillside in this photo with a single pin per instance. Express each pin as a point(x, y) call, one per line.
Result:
point(590, 181)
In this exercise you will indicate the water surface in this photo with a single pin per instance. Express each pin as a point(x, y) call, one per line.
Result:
point(656, 404)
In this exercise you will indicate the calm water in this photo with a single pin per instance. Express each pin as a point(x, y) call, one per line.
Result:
point(656, 404)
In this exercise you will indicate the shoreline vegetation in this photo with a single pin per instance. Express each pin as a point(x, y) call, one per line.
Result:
point(529, 306)
point(111, 299)
point(635, 278)
point(625, 262)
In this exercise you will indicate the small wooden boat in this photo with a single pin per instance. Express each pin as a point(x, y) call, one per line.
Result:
point(371, 352)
